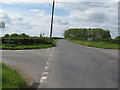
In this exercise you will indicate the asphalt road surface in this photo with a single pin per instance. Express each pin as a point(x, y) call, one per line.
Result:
point(29, 63)
point(75, 66)
point(69, 65)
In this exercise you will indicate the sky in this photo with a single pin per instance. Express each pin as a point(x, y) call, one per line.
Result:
point(34, 16)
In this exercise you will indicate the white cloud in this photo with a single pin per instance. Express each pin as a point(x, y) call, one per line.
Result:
point(37, 1)
point(14, 23)
point(34, 10)
point(81, 15)
point(92, 14)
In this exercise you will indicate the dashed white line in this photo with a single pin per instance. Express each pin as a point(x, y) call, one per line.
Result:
point(42, 80)
point(45, 73)
point(46, 67)
point(51, 55)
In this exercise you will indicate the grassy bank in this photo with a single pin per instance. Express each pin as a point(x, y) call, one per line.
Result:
point(11, 79)
point(96, 44)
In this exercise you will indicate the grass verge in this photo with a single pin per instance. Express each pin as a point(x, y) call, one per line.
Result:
point(11, 79)
point(96, 44)
point(38, 46)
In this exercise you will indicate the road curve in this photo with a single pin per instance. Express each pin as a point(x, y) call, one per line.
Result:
point(76, 66)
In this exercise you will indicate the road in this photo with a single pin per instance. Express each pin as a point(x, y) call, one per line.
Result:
point(75, 66)
point(29, 63)
point(69, 65)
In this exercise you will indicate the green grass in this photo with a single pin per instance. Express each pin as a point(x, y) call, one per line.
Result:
point(11, 79)
point(38, 46)
point(96, 44)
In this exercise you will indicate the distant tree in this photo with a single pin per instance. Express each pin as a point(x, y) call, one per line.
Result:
point(6, 35)
point(97, 33)
point(42, 34)
point(117, 38)
point(23, 35)
point(14, 35)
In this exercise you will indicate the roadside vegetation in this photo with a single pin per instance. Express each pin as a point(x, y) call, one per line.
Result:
point(11, 79)
point(23, 41)
point(96, 44)
point(96, 37)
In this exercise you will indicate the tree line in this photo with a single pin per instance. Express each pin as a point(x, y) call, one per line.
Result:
point(86, 33)
point(96, 34)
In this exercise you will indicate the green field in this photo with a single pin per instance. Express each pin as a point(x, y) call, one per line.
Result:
point(96, 44)
point(11, 79)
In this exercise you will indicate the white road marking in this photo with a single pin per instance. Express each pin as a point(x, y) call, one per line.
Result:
point(44, 77)
point(51, 55)
point(42, 80)
point(46, 67)
point(45, 73)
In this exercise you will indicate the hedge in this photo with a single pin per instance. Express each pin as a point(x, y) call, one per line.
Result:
point(26, 40)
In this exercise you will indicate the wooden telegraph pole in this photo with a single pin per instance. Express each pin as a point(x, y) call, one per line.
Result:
point(51, 29)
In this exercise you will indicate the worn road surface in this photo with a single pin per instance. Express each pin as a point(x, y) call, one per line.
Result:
point(69, 65)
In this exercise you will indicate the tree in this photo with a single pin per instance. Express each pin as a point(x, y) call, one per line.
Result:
point(14, 35)
point(6, 35)
point(23, 35)
point(117, 38)
point(96, 33)
point(42, 34)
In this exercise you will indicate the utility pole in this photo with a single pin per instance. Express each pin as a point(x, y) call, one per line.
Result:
point(51, 29)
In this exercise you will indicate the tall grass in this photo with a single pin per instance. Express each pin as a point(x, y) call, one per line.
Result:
point(11, 78)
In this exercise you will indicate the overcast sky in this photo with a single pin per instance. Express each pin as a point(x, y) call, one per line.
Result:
point(33, 17)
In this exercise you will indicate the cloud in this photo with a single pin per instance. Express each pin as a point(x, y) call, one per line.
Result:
point(60, 20)
point(17, 18)
point(38, 1)
point(34, 20)
point(4, 17)
point(92, 14)
point(34, 10)
point(14, 23)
